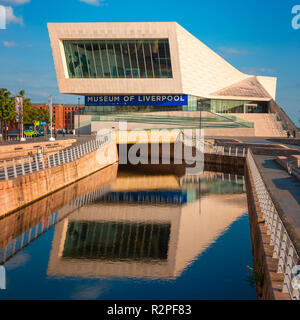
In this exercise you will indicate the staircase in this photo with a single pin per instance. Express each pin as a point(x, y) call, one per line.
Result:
point(265, 124)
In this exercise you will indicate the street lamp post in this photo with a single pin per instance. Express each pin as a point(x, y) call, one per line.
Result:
point(51, 124)
point(19, 108)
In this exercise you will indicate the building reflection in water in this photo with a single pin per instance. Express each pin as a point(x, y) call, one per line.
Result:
point(147, 226)
point(25, 226)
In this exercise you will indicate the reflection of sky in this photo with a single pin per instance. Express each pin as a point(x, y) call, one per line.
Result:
point(89, 292)
point(219, 273)
point(17, 261)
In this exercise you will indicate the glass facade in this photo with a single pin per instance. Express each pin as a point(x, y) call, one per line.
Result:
point(233, 106)
point(194, 104)
point(118, 58)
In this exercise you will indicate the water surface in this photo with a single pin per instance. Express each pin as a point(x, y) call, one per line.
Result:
point(131, 235)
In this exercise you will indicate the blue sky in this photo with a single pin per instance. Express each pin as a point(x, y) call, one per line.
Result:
point(256, 36)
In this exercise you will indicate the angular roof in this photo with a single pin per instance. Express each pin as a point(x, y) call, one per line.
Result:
point(249, 87)
point(197, 70)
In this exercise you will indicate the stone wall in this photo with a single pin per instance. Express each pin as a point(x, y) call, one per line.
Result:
point(18, 192)
point(22, 220)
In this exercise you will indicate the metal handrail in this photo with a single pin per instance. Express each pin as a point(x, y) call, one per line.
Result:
point(27, 165)
point(284, 249)
point(209, 147)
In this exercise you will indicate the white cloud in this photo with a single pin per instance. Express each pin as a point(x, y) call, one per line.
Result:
point(9, 44)
point(11, 18)
point(14, 2)
point(234, 51)
point(93, 2)
point(257, 71)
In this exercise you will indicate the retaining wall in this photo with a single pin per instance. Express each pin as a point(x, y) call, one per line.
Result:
point(269, 282)
point(23, 190)
point(22, 220)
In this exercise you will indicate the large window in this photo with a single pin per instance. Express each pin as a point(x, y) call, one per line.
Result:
point(233, 106)
point(118, 58)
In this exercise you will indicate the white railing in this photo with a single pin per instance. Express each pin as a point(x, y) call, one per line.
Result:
point(209, 147)
point(232, 151)
point(13, 168)
point(284, 249)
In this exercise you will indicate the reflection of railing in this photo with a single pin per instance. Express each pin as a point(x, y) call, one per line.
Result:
point(284, 249)
point(30, 235)
point(27, 165)
point(213, 176)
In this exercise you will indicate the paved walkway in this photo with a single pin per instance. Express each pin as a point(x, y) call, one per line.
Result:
point(285, 190)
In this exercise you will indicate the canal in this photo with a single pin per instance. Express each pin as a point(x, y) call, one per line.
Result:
point(125, 233)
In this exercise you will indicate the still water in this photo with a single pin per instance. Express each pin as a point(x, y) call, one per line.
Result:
point(125, 234)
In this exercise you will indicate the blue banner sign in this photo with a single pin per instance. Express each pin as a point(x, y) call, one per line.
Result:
point(137, 100)
point(174, 197)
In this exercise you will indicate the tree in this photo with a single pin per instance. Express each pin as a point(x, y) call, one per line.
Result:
point(31, 113)
point(7, 109)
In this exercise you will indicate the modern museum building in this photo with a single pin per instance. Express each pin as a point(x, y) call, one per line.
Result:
point(157, 72)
